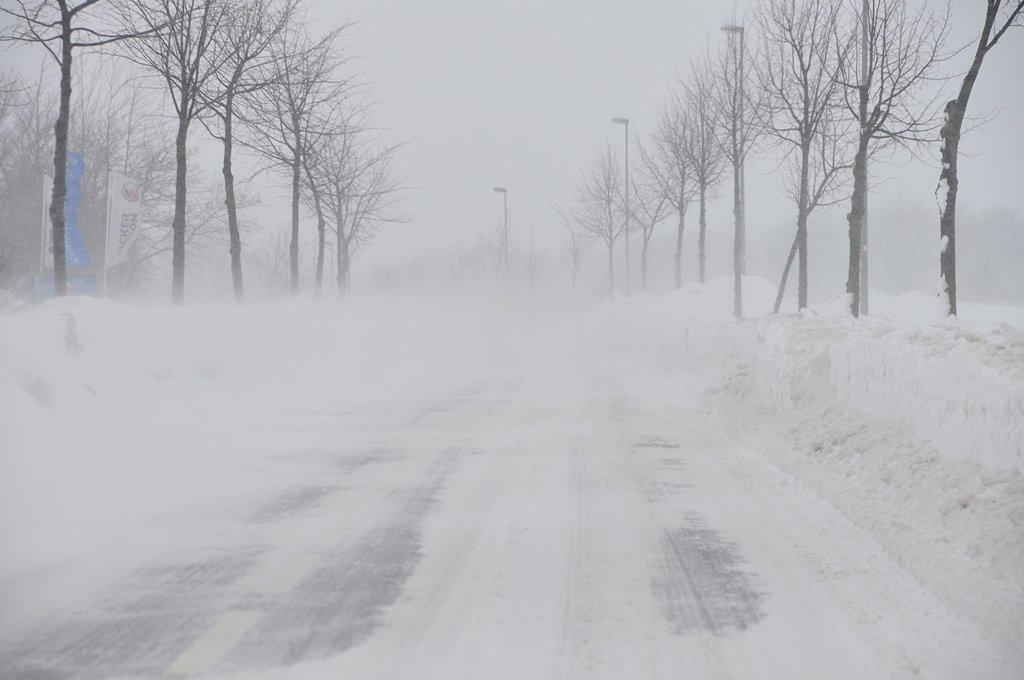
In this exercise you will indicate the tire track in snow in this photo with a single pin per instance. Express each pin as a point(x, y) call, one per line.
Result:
point(701, 587)
point(342, 602)
point(574, 590)
point(170, 618)
point(698, 580)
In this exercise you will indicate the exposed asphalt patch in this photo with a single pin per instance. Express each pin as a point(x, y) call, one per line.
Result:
point(701, 585)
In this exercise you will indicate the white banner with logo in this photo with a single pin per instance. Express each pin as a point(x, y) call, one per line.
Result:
point(123, 218)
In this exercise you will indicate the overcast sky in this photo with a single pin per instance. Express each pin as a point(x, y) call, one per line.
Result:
point(520, 94)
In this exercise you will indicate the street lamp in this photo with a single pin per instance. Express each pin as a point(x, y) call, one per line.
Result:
point(732, 29)
point(625, 122)
point(504, 230)
point(865, 14)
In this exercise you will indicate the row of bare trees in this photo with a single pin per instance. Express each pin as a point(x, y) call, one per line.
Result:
point(825, 86)
point(253, 76)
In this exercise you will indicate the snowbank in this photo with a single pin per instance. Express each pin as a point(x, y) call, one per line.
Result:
point(915, 433)
point(962, 389)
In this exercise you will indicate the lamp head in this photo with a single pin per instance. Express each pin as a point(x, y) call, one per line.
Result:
point(620, 121)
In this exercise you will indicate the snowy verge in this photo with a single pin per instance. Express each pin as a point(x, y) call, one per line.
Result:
point(962, 389)
point(838, 403)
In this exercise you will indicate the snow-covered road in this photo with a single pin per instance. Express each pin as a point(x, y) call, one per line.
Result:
point(608, 532)
point(433, 488)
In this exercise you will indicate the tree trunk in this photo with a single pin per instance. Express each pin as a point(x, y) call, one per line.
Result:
point(858, 206)
point(643, 265)
point(701, 252)
point(737, 249)
point(611, 271)
point(344, 266)
point(950, 135)
point(178, 223)
point(342, 255)
point(321, 228)
point(293, 248)
point(855, 218)
point(229, 200)
point(801, 226)
point(679, 241)
point(60, 160)
point(785, 275)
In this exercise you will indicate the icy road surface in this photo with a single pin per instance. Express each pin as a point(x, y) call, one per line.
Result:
point(607, 532)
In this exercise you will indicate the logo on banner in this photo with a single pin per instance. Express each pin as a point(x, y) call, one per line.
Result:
point(131, 192)
point(123, 219)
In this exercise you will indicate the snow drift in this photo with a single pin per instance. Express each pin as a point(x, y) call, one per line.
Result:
point(963, 389)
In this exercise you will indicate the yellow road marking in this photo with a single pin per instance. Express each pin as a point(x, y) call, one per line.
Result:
point(214, 643)
point(287, 576)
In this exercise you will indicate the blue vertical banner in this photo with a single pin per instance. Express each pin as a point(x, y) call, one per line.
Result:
point(76, 253)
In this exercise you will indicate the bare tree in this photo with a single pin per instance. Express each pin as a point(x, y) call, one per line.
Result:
point(706, 160)
point(247, 38)
point(10, 93)
point(304, 82)
point(361, 190)
point(999, 17)
point(182, 46)
point(574, 248)
point(490, 252)
point(737, 130)
point(885, 95)
point(796, 72)
point(205, 222)
point(659, 185)
point(829, 170)
point(323, 127)
point(270, 262)
point(61, 26)
point(458, 263)
point(599, 208)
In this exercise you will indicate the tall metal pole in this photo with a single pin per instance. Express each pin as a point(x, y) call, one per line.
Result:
point(740, 149)
point(743, 165)
point(864, 223)
point(504, 203)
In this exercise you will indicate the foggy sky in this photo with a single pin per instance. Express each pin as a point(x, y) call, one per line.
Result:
point(520, 94)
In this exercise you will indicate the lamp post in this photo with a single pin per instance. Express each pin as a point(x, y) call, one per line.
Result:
point(732, 29)
point(504, 230)
point(864, 220)
point(625, 122)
